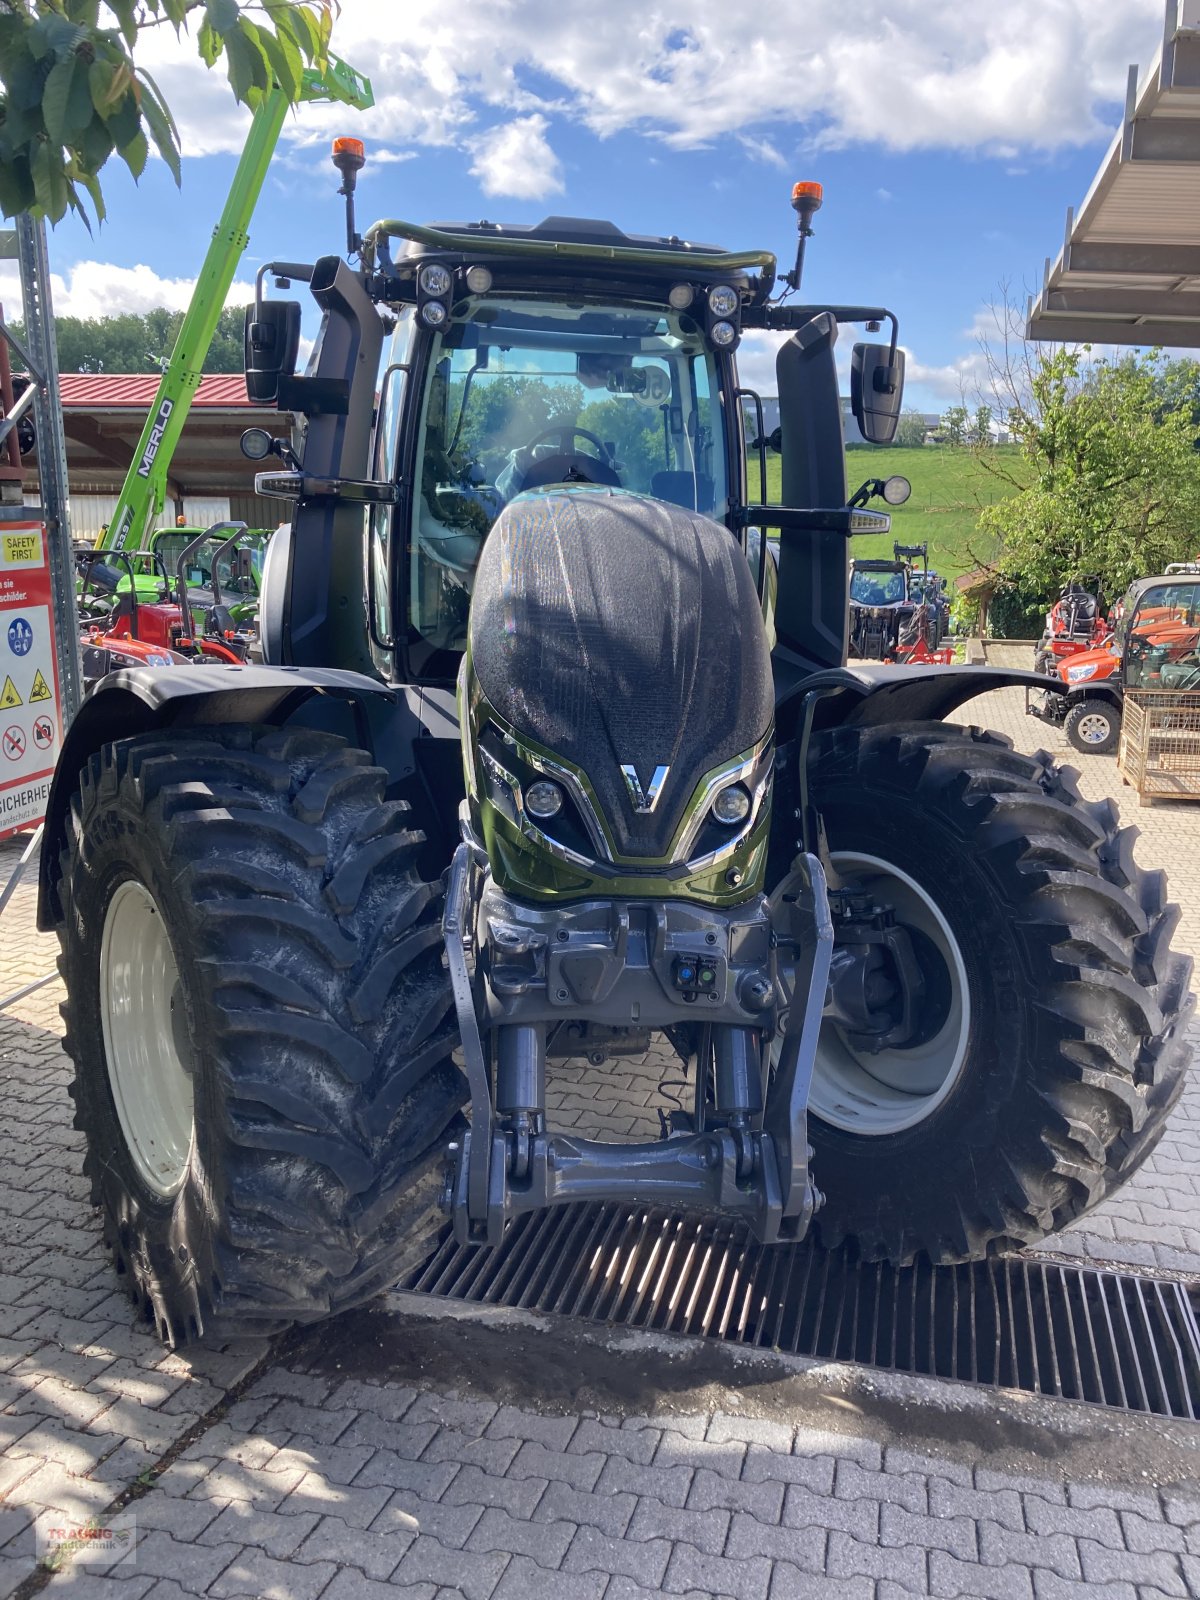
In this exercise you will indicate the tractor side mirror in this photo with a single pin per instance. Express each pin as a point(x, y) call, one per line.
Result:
point(877, 390)
point(272, 348)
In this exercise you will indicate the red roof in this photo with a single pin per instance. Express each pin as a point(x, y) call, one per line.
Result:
point(113, 391)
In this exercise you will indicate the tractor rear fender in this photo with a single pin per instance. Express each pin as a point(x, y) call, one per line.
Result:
point(871, 696)
point(142, 699)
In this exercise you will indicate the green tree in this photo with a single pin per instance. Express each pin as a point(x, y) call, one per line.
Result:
point(72, 92)
point(982, 425)
point(954, 424)
point(140, 342)
point(1114, 476)
point(910, 431)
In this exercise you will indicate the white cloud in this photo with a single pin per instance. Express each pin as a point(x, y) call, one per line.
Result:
point(763, 150)
point(756, 360)
point(98, 289)
point(1032, 75)
point(517, 160)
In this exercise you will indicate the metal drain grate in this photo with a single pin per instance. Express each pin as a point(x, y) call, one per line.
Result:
point(1111, 1338)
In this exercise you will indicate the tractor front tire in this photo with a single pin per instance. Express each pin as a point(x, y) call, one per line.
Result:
point(1093, 727)
point(1050, 1044)
point(260, 1024)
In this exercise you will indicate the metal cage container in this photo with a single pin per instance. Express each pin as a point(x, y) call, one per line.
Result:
point(1159, 752)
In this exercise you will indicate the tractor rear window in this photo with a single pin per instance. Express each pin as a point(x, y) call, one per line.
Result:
point(519, 395)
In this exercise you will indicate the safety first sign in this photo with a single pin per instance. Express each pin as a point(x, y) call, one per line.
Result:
point(30, 718)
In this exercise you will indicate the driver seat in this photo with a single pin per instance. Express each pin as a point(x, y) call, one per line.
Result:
point(686, 489)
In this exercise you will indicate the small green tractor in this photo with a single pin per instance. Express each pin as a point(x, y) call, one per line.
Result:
point(521, 779)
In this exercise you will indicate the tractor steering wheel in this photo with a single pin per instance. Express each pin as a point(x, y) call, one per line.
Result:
point(568, 465)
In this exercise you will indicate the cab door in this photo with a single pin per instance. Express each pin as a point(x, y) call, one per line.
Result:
point(1162, 649)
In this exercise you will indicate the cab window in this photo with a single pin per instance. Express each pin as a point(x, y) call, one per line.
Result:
point(520, 396)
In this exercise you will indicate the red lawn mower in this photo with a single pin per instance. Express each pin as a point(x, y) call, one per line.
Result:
point(1077, 621)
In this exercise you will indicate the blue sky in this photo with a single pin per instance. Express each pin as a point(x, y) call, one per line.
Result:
point(950, 140)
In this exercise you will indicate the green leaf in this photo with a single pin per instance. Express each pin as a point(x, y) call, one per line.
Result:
point(125, 119)
point(66, 100)
point(222, 15)
point(162, 129)
point(248, 69)
point(53, 34)
point(84, 12)
point(208, 42)
point(285, 59)
point(306, 29)
point(16, 186)
point(92, 185)
point(125, 12)
point(95, 144)
point(100, 83)
point(134, 153)
point(50, 181)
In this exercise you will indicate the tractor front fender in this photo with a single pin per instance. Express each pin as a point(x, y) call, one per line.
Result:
point(1110, 690)
point(143, 699)
point(869, 695)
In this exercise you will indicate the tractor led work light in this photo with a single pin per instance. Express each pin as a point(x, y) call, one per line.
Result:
point(722, 316)
point(723, 301)
point(434, 287)
point(479, 280)
point(435, 281)
point(680, 296)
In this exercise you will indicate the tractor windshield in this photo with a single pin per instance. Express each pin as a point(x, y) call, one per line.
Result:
point(519, 395)
point(877, 588)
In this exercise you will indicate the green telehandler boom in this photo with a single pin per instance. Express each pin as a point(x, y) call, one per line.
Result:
point(143, 493)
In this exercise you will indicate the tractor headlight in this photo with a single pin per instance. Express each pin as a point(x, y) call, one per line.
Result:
point(732, 805)
point(434, 313)
point(722, 300)
point(722, 334)
point(1079, 674)
point(434, 280)
point(543, 800)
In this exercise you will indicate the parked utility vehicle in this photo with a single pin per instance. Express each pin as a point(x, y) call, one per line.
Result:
point(1154, 644)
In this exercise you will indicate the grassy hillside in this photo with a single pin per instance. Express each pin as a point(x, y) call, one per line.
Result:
point(949, 489)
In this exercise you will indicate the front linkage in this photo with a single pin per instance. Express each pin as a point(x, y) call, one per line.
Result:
point(520, 971)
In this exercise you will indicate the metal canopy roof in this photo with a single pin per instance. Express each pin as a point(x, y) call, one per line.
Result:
point(1129, 271)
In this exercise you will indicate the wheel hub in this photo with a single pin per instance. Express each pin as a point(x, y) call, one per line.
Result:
point(1093, 728)
point(146, 1044)
point(870, 1090)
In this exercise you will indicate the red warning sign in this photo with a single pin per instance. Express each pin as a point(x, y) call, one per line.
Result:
point(30, 705)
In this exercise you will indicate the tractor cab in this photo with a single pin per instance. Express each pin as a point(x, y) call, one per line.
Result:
point(516, 360)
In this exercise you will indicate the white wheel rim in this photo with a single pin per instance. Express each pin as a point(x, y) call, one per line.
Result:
point(1094, 728)
point(875, 1095)
point(144, 1034)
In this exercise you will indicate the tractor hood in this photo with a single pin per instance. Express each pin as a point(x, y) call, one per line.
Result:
point(624, 637)
point(1103, 662)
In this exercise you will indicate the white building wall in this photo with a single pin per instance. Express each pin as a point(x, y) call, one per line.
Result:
point(201, 511)
point(89, 513)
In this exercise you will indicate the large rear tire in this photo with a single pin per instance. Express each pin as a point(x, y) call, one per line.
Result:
point(260, 1023)
point(1055, 1046)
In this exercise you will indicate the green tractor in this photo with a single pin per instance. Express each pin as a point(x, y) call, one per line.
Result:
point(520, 779)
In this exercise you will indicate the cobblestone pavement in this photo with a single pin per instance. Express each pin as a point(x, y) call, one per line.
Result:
point(405, 1454)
